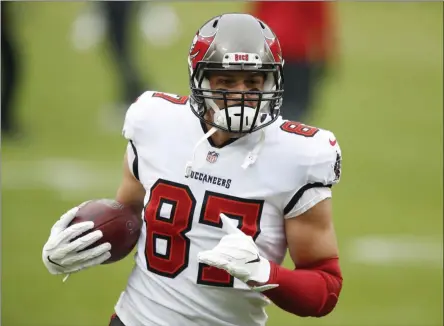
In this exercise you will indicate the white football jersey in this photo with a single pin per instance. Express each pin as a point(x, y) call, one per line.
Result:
point(168, 286)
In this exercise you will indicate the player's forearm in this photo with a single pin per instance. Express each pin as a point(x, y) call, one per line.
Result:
point(131, 194)
point(307, 292)
point(130, 199)
point(135, 207)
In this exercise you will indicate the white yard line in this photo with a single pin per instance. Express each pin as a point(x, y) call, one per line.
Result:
point(396, 250)
point(70, 178)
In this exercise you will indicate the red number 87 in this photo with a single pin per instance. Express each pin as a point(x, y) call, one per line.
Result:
point(172, 229)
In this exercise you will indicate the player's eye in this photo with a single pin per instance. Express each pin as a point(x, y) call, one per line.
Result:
point(255, 81)
point(226, 82)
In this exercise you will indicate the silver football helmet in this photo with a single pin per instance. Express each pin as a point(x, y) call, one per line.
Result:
point(236, 42)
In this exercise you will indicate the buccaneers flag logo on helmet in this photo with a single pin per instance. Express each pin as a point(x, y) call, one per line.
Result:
point(275, 48)
point(199, 48)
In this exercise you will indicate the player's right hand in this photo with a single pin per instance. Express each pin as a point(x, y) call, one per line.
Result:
point(61, 255)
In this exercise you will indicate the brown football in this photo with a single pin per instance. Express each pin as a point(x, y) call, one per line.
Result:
point(119, 224)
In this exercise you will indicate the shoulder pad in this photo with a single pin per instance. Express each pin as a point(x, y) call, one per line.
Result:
point(134, 113)
point(148, 106)
point(326, 162)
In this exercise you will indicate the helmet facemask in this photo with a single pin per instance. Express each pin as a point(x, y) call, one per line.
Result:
point(239, 118)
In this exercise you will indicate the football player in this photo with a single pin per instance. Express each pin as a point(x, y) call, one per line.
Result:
point(224, 186)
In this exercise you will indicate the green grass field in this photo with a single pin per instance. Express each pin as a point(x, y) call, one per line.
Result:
point(384, 103)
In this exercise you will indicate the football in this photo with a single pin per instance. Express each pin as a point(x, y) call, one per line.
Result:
point(120, 225)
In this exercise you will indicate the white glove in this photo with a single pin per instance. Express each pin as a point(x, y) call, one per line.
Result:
point(61, 256)
point(239, 256)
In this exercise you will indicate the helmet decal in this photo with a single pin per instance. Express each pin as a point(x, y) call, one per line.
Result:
point(199, 48)
point(275, 48)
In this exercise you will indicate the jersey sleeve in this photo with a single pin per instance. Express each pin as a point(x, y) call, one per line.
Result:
point(133, 130)
point(134, 117)
point(132, 159)
point(323, 172)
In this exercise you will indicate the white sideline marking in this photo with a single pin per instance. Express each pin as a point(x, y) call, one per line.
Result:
point(397, 250)
point(71, 178)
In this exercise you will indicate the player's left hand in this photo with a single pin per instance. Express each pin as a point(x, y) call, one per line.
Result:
point(237, 254)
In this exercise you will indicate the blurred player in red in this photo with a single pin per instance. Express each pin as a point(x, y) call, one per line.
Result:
point(224, 186)
point(306, 31)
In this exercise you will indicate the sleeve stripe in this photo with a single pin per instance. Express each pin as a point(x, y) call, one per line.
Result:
point(294, 200)
point(135, 162)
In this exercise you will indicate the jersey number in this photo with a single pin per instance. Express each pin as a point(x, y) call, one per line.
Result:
point(175, 99)
point(299, 129)
point(169, 216)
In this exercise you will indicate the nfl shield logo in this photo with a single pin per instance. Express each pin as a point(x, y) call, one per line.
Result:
point(212, 156)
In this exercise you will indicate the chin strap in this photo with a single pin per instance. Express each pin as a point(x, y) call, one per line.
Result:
point(189, 164)
point(253, 155)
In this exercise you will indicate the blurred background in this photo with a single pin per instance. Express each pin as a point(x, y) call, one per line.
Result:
point(371, 72)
